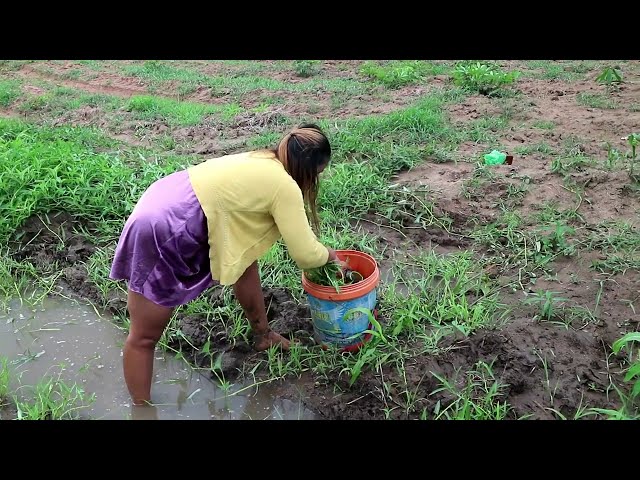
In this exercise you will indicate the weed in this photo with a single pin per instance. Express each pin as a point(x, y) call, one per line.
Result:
point(547, 302)
point(398, 73)
point(44, 169)
point(620, 245)
point(596, 100)
point(613, 156)
point(53, 399)
point(544, 125)
point(543, 148)
point(554, 240)
point(174, 112)
point(483, 78)
point(480, 399)
point(443, 291)
point(565, 165)
point(633, 373)
point(473, 187)
point(546, 381)
point(632, 140)
point(306, 68)
point(9, 92)
point(4, 379)
point(556, 70)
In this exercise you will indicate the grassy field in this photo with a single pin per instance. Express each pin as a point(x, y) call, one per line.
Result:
point(509, 291)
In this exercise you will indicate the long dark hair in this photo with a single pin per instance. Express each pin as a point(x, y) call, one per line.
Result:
point(302, 151)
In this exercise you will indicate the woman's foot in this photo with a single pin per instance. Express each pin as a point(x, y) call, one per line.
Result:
point(263, 341)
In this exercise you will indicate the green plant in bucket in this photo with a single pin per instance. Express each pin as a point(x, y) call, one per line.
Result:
point(332, 275)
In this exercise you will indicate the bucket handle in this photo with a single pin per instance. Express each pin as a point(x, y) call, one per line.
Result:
point(377, 331)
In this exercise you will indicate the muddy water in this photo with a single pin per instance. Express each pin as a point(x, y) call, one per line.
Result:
point(68, 338)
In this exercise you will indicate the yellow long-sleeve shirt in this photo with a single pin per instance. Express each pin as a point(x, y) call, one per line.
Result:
point(250, 201)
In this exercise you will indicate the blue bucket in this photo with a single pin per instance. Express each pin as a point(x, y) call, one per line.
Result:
point(336, 322)
point(338, 316)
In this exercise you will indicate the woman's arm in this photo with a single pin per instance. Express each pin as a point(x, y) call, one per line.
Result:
point(289, 214)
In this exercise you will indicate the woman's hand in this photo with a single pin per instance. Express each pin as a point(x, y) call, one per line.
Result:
point(333, 257)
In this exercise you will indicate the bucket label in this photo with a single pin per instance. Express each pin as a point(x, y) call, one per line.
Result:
point(334, 324)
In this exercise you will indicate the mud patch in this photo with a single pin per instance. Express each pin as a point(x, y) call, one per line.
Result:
point(52, 238)
point(285, 316)
point(538, 369)
point(8, 411)
point(82, 117)
point(54, 245)
point(457, 195)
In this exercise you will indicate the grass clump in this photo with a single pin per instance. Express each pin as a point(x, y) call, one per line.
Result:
point(483, 78)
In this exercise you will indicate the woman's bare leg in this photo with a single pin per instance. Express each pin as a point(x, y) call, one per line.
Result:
point(148, 321)
point(248, 291)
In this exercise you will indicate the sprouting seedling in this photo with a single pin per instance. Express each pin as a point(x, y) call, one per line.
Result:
point(613, 156)
point(634, 370)
point(547, 302)
point(632, 139)
point(610, 76)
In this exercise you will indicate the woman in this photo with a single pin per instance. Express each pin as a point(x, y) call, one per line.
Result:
point(212, 221)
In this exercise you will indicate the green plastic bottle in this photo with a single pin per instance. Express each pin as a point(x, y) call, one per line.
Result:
point(495, 158)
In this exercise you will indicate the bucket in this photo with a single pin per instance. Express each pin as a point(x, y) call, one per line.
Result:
point(334, 321)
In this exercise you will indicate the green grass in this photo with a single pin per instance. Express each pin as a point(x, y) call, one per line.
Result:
point(59, 100)
point(4, 379)
point(368, 152)
point(566, 71)
point(544, 125)
point(237, 84)
point(483, 130)
point(512, 244)
point(433, 290)
point(396, 74)
point(12, 65)
point(619, 243)
point(306, 68)
point(542, 148)
point(177, 113)
point(52, 399)
point(159, 71)
point(597, 100)
point(45, 169)
point(479, 399)
point(9, 92)
point(564, 165)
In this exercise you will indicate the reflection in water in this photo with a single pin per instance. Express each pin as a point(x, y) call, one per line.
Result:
point(66, 337)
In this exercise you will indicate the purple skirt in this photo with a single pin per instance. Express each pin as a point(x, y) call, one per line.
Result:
point(163, 251)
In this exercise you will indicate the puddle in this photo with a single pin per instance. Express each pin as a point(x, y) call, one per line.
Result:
point(68, 337)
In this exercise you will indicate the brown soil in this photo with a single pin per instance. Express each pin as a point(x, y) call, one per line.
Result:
point(8, 412)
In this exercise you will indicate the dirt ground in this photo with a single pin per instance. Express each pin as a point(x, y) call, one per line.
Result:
point(580, 366)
